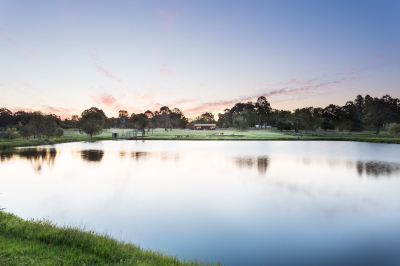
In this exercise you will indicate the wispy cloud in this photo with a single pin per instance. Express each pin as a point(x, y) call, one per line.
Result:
point(168, 17)
point(183, 101)
point(27, 52)
point(294, 87)
point(166, 70)
point(104, 71)
point(109, 101)
point(60, 111)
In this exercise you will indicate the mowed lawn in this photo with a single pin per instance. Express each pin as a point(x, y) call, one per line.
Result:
point(250, 134)
point(173, 134)
point(71, 135)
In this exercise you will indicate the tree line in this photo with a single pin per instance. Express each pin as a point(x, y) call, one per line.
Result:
point(363, 113)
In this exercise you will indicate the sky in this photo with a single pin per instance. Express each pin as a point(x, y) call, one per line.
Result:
point(64, 56)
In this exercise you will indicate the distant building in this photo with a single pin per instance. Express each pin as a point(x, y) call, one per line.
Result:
point(204, 126)
point(263, 126)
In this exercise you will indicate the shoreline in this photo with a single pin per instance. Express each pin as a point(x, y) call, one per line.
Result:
point(34, 143)
point(39, 242)
point(6, 145)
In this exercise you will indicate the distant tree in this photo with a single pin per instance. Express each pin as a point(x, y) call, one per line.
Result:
point(379, 111)
point(6, 117)
point(70, 123)
point(240, 121)
point(178, 119)
point(59, 132)
point(278, 116)
point(247, 110)
point(306, 119)
point(22, 118)
point(40, 125)
point(225, 119)
point(92, 121)
point(123, 118)
point(333, 115)
point(263, 110)
point(49, 126)
point(149, 114)
point(139, 122)
point(205, 118)
point(394, 129)
point(284, 125)
point(164, 118)
point(26, 131)
point(151, 120)
point(8, 133)
point(327, 124)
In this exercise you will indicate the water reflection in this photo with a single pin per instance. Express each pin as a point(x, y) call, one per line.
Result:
point(140, 155)
point(377, 169)
point(92, 155)
point(368, 168)
point(191, 200)
point(249, 162)
point(37, 156)
point(163, 156)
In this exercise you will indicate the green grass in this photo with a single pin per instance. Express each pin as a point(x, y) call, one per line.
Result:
point(41, 243)
point(73, 135)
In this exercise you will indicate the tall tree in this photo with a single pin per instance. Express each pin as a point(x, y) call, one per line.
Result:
point(140, 122)
point(379, 111)
point(205, 118)
point(122, 118)
point(6, 117)
point(263, 109)
point(178, 119)
point(92, 121)
point(164, 118)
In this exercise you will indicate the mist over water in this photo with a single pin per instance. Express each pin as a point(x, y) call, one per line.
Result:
point(238, 203)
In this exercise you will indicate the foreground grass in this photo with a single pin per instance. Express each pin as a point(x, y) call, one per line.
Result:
point(40, 243)
point(73, 135)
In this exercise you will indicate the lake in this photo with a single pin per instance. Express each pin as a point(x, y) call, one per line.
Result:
point(233, 202)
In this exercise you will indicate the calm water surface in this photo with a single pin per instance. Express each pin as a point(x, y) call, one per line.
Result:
point(238, 203)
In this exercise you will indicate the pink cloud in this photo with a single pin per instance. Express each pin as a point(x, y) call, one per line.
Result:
point(26, 52)
point(109, 101)
point(183, 101)
point(60, 111)
point(103, 71)
point(306, 87)
point(165, 70)
point(169, 16)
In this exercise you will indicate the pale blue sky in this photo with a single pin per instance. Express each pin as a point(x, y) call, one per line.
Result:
point(65, 56)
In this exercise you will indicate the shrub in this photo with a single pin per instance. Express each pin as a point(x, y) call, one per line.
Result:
point(394, 129)
point(8, 133)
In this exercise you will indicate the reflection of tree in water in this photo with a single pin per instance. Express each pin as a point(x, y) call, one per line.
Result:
point(140, 155)
point(262, 165)
point(38, 156)
point(376, 169)
point(92, 155)
point(369, 168)
point(164, 156)
point(260, 162)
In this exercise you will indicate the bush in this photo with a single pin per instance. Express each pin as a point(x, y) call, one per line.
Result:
point(394, 129)
point(284, 125)
point(59, 132)
point(9, 133)
point(240, 122)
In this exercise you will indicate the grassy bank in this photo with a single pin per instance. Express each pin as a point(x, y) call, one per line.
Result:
point(39, 243)
point(73, 135)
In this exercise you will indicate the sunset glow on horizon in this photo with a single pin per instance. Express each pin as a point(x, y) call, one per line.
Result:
point(63, 57)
